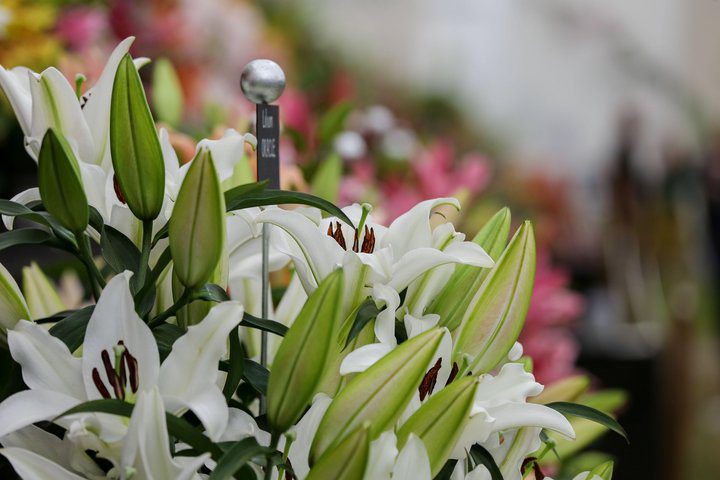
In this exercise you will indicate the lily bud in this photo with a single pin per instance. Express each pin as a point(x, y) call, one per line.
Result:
point(12, 304)
point(564, 390)
point(440, 421)
point(497, 312)
point(301, 359)
point(326, 182)
point(197, 224)
point(454, 299)
point(41, 296)
point(604, 471)
point(348, 460)
point(167, 93)
point(60, 182)
point(378, 395)
point(134, 144)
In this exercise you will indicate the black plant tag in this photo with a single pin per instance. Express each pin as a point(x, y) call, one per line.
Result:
point(268, 148)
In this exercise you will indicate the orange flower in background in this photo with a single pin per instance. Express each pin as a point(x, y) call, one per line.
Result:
point(26, 34)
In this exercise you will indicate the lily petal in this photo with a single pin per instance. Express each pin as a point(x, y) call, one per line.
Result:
point(30, 406)
point(305, 431)
point(516, 415)
point(15, 83)
point(189, 374)
point(416, 262)
point(383, 452)
point(24, 197)
point(412, 462)
point(412, 230)
point(114, 320)
point(361, 359)
point(46, 362)
point(31, 466)
point(385, 321)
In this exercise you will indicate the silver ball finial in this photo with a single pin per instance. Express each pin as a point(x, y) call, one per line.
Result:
point(262, 81)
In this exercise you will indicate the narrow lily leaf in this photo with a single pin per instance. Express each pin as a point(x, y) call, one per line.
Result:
point(347, 461)
point(301, 359)
point(197, 224)
point(333, 122)
point(119, 251)
point(365, 314)
point(41, 296)
point(12, 304)
point(167, 93)
point(212, 293)
point(27, 236)
point(236, 365)
point(454, 299)
point(256, 375)
point(589, 413)
point(280, 197)
point(326, 182)
point(604, 471)
point(236, 457)
point(134, 144)
point(378, 395)
point(60, 183)
point(270, 326)
point(165, 336)
point(482, 457)
point(18, 210)
point(177, 427)
point(497, 312)
point(71, 329)
point(440, 421)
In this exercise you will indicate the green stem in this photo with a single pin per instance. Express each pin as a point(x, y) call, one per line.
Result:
point(181, 302)
point(274, 439)
point(145, 252)
point(97, 282)
point(289, 439)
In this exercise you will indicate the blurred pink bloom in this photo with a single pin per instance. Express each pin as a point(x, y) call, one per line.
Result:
point(438, 178)
point(296, 112)
point(81, 27)
point(553, 350)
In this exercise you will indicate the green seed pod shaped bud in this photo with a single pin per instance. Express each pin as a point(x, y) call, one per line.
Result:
point(454, 299)
point(497, 313)
point(347, 461)
point(378, 395)
point(300, 362)
point(197, 224)
point(134, 145)
point(440, 421)
point(12, 304)
point(60, 182)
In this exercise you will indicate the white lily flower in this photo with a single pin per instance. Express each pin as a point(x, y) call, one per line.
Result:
point(120, 359)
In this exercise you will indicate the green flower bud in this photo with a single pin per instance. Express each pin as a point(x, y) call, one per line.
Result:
point(454, 299)
point(134, 145)
point(326, 182)
point(300, 362)
point(564, 390)
point(41, 296)
point(497, 312)
point(197, 224)
point(60, 182)
point(347, 461)
point(440, 421)
point(167, 93)
point(12, 304)
point(378, 395)
point(604, 471)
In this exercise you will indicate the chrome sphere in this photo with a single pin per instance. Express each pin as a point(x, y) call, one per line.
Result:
point(262, 81)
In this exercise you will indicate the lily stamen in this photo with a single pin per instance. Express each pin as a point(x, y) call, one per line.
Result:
point(125, 368)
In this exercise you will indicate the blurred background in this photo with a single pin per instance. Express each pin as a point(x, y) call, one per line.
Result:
point(598, 120)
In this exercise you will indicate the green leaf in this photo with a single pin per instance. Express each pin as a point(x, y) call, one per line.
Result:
point(256, 375)
point(197, 224)
point(326, 182)
point(119, 251)
point(347, 461)
point(236, 365)
point(211, 292)
point(134, 144)
point(165, 336)
point(366, 313)
point(378, 395)
point(589, 413)
point(27, 236)
point(302, 357)
point(177, 427)
point(440, 421)
point(280, 197)
point(167, 93)
point(481, 456)
point(270, 326)
point(60, 182)
point(236, 457)
point(497, 312)
point(71, 329)
point(454, 299)
point(333, 122)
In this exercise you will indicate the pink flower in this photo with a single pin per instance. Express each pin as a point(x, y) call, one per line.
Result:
point(553, 351)
point(81, 27)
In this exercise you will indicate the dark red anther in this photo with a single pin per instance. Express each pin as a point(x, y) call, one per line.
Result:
point(337, 234)
point(132, 364)
point(355, 242)
point(368, 245)
point(428, 383)
point(453, 373)
point(112, 376)
point(99, 384)
point(118, 192)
